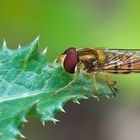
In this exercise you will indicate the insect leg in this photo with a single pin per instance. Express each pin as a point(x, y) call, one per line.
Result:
point(93, 78)
point(111, 84)
point(94, 82)
point(71, 82)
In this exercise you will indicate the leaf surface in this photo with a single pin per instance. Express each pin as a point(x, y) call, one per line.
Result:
point(27, 86)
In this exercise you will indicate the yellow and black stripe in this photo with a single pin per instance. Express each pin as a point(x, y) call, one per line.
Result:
point(130, 66)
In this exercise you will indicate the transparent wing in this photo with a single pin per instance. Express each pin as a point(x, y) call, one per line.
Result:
point(121, 59)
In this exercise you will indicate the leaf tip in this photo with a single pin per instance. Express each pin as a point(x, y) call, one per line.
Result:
point(44, 52)
point(38, 37)
point(4, 43)
point(62, 109)
point(36, 41)
point(76, 101)
point(43, 123)
point(25, 120)
point(33, 49)
point(54, 120)
point(4, 46)
point(107, 96)
point(19, 46)
point(22, 136)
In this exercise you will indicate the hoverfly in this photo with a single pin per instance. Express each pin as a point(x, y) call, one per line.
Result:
point(95, 60)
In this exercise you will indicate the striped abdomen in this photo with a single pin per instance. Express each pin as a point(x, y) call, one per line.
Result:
point(131, 65)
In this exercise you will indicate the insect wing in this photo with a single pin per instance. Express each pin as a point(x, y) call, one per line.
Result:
point(121, 61)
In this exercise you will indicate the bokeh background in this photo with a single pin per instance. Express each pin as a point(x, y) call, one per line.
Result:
point(62, 24)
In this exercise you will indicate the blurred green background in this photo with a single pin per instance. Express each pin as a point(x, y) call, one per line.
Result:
point(62, 24)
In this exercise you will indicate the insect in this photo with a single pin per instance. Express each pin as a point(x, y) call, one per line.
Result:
point(94, 61)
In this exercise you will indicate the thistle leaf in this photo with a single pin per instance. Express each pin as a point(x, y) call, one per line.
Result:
point(27, 86)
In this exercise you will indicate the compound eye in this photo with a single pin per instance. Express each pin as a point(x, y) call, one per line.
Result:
point(70, 50)
point(70, 62)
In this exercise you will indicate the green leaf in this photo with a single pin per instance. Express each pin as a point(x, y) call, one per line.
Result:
point(27, 86)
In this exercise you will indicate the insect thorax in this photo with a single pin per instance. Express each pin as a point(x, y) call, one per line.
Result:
point(88, 59)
